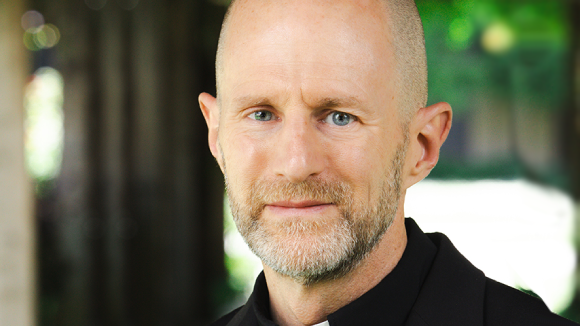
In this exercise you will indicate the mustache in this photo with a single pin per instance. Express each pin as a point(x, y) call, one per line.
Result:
point(310, 189)
point(264, 192)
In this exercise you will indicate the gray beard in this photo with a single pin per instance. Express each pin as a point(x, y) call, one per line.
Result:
point(298, 249)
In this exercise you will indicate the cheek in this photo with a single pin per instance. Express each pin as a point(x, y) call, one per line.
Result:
point(245, 158)
point(355, 164)
point(363, 164)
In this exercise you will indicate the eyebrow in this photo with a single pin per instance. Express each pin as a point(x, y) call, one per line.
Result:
point(250, 101)
point(324, 103)
point(338, 102)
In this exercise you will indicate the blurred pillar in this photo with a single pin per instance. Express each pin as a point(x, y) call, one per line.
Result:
point(575, 144)
point(76, 223)
point(16, 199)
point(140, 196)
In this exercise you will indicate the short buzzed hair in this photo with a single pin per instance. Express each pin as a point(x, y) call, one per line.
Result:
point(411, 59)
point(409, 50)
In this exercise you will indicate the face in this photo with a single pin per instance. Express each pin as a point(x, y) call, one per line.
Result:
point(309, 138)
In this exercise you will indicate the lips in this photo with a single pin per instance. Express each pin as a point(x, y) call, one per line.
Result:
point(298, 204)
point(303, 208)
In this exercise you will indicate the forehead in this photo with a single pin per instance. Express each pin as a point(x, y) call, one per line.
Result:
point(314, 39)
point(247, 12)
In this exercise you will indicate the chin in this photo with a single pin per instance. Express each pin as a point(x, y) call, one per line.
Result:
point(305, 251)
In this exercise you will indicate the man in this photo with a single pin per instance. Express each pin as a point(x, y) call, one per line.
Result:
point(320, 125)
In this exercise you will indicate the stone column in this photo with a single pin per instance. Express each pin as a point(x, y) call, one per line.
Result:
point(17, 303)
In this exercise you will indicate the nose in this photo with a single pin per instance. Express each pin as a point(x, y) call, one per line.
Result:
point(298, 152)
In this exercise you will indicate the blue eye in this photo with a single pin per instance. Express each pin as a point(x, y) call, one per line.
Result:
point(339, 118)
point(261, 115)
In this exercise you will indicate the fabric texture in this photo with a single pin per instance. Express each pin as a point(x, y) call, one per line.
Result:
point(432, 285)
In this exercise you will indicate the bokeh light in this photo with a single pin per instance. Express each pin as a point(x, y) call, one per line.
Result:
point(460, 33)
point(38, 35)
point(497, 38)
point(29, 42)
point(44, 123)
point(32, 19)
point(51, 35)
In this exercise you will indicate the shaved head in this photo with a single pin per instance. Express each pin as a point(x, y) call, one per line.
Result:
point(405, 32)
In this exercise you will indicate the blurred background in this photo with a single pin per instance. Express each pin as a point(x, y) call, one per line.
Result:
point(112, 210)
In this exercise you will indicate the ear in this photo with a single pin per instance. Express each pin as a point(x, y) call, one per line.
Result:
point(210, 111)
point(427, 131)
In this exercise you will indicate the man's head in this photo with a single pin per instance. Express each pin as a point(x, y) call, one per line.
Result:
point(320, 127)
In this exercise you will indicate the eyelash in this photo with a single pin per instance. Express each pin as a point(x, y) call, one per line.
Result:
point(351, 118)
point(264, 112)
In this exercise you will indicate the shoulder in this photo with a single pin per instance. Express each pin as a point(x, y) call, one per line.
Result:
point(224, 320)
point(456, 290)
point(507, 306)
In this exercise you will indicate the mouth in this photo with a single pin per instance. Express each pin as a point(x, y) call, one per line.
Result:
point(298, 208)
point(298, 204)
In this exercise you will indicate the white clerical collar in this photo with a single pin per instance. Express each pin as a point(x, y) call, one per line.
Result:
point(324, 323)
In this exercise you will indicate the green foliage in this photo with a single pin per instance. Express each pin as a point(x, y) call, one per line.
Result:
point(512, 52)
point(497, 48)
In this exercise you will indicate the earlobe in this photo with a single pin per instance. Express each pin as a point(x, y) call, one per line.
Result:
point(210, 111)
point(428, 131)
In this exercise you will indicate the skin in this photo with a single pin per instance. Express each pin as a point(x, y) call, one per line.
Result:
point(301, 61)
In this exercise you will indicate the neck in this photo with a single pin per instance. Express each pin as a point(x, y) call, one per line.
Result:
point(295, 304)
